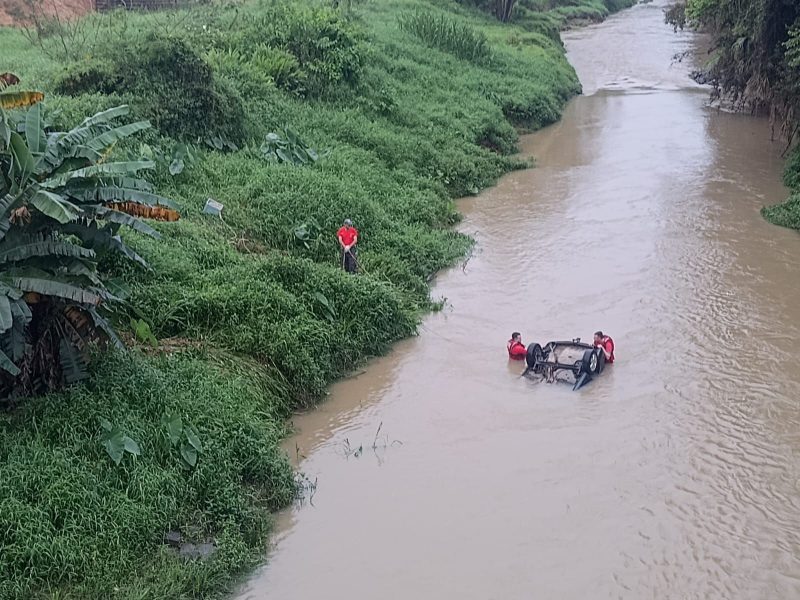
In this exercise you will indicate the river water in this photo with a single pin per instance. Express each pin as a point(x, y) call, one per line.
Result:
point(442, 474)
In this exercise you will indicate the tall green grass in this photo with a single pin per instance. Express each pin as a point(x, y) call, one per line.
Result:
point(444, 33)
point(76, 526)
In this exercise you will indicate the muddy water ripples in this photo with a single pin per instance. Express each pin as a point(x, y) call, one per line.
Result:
point(674, 475)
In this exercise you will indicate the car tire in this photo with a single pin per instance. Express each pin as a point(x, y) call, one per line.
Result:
point(601, 361)
point(535, 356)
point(590, 363)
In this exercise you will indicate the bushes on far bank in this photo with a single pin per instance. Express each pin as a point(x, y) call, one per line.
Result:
point(791, 174)
point(787, 214)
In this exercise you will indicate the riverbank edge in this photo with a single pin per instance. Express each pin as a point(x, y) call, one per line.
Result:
point(787, 213)
point(217, 378)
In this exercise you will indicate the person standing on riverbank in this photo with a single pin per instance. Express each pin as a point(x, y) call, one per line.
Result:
point(348, 238)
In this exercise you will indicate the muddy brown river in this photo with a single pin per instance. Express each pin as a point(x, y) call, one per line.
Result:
point(441, 474)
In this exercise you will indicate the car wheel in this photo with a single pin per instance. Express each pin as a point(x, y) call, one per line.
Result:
point(601, 361)
point(535, 356)
point(577, 368)
point(590, 363)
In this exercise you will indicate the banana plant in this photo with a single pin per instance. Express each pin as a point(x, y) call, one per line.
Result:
point(63, 200)
point(289, 149)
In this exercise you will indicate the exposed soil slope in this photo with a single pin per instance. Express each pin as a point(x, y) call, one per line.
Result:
point(10, 10)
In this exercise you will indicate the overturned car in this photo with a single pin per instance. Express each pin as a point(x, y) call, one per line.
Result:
point(575, 359)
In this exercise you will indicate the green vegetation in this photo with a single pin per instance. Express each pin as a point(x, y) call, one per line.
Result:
point(62, 206)
point(77, 526)
point(447, 34)
point(755, 63)
point(787, 214)
point(294, 116)
point(166, 82)
point(756, 52)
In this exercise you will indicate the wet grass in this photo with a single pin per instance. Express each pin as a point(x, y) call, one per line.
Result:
point(76, 526)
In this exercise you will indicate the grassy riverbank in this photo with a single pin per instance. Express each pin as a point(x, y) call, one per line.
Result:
point(417, 103)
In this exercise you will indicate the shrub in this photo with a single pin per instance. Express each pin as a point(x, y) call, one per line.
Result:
point(327, 48)
point(288, 148)
point(787, 214)
point(447, 34)
point(269, 308)
point(279, 65)
point(305, 50)
point(533, 111)
point(791, 174)
point(250, 80)
point(168, 83)
point(618, 5)
point(547, 24)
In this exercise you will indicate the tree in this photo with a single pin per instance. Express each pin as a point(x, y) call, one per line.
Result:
point(62, 203)
point(503, 9)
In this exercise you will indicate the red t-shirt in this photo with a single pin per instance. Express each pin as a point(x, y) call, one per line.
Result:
point(608, 346)
point(347, 235)
point(516, 350)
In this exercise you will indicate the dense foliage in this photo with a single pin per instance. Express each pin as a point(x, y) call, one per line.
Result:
point(787, 214)
point(76, 526)
point(250, 314)
point(755, 62)
point(755, 57)
point(62, 203)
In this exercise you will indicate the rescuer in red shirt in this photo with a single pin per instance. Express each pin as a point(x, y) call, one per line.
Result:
point(606, 343)
point(516, 349)
point(348, 238)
